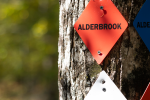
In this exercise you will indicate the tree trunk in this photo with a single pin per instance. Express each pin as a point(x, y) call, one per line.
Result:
point(127, 64)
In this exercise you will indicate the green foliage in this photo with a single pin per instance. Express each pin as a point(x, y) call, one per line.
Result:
point(28, 47)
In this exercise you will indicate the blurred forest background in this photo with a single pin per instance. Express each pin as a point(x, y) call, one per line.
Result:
point(28, 49)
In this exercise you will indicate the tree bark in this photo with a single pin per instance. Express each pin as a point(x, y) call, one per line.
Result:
point(127, 64)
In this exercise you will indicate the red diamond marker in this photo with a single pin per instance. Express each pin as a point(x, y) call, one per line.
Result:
point(146, 95)
point(100, 26)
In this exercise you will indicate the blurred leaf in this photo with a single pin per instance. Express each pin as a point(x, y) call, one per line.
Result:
point(28, 49)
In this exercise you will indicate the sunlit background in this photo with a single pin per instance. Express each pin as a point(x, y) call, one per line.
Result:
point(28, 49)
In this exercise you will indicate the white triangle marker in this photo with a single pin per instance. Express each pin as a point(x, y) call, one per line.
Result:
point(104, 89)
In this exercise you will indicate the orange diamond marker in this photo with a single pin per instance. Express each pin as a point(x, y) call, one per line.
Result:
point(100, 26)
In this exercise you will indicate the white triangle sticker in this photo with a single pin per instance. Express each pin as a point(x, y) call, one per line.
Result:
point(104, 89)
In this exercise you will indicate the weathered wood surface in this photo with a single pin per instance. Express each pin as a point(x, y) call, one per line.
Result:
point(127, 64)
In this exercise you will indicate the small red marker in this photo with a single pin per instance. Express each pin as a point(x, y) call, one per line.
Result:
point(146, 95)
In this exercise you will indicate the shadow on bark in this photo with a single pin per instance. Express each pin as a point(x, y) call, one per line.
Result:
point(137, 80)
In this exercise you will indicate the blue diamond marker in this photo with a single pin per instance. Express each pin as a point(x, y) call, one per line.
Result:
point(142, 23)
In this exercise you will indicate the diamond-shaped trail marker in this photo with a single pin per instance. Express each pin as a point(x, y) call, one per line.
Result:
point(142, 23)
point(100, 26)
point(146, 95)
point(104, 89)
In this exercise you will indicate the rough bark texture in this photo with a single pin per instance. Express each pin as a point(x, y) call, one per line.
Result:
point(127, 64)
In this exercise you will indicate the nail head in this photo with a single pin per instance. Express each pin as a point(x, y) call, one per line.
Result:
point(104, 89)
point(101, 7)
point(99, 52)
